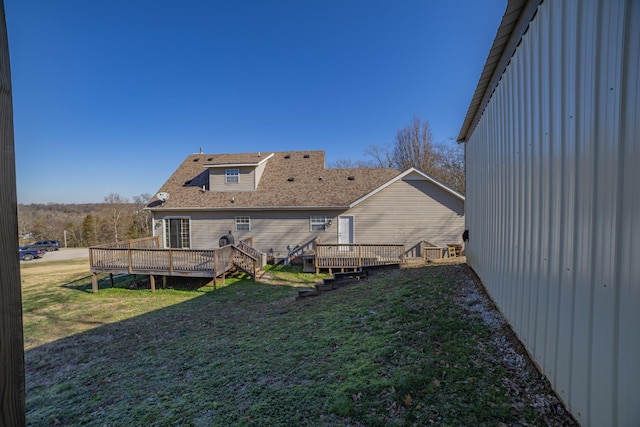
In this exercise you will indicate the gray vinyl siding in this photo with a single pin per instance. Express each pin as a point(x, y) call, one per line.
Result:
point(408, 212)
point(269, 229)
point(258, 173)
point(247, 179)
point(553, 203)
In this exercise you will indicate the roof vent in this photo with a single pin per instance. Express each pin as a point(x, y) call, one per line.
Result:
point(291, 179)
point(351, 177)
point(320, 179)
point(287, 156)
point(209, 159)
point(196, 159)
point(306, 156)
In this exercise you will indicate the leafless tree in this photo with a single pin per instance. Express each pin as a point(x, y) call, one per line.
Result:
point(414, 146)
point(348, 163)
point(115, 206)
point(381, 156)
point(141, 224)
point(452, 165)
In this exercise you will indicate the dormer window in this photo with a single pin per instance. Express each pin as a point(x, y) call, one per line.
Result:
point(232, 176)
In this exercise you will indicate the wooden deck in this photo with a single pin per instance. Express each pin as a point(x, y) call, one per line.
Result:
point(145, 257)
point(355, 256)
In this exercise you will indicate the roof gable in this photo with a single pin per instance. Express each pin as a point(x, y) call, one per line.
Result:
point(408, 175)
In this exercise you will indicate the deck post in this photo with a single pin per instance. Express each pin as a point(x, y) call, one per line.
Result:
point(111, 279)
point(164, 282)
point(153, 283)
point(215, 270)
point(94, 282)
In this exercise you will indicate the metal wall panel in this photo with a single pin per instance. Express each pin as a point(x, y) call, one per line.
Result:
point(553, 202)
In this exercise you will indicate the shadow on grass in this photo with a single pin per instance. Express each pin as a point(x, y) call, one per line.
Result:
point(291, 275)
point(251, 354)
point(142, 282)
point(123, 373)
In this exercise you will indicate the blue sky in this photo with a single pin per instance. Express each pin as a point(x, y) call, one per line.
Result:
point(111, 95)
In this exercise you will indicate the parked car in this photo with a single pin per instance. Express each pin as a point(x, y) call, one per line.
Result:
point(29, 254)
point(47, 245)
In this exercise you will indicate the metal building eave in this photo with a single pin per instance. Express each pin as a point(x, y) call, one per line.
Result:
point(514, 24)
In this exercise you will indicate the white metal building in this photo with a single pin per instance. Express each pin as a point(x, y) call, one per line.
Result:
point(552, 140)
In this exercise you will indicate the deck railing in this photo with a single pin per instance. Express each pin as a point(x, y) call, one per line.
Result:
point(142, 256)
point(157, 261)
point(245, 246)
point(142, 243)
point(245, 261)
point(432, 252)
point(358, 255)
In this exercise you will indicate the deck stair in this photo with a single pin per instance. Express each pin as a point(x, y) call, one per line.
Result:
point(339, 280)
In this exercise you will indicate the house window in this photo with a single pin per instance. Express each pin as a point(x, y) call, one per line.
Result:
point(177, 233)
point(317, 223)
point(243, 223)
point(232, 176)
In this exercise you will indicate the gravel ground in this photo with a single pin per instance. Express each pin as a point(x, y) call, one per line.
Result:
point(527, 386)
point(64, 254)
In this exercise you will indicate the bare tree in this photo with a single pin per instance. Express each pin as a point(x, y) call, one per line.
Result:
point(452, 165)
point(141, 223)
point(348, 164)
point(381, 156)
point(414, 146)
point(115, 208)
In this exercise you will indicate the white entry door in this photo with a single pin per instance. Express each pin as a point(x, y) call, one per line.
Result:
point(345, 231)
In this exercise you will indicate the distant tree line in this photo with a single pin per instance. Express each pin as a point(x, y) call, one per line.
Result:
point(85, 224)
point(415, 146)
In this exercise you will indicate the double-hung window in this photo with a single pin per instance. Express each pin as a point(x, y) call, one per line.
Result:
point(317, 223)
point(232, 176)
point(243, 223)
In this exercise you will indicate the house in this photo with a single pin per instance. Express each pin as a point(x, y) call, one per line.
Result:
point(552, 143)
point(283, 200)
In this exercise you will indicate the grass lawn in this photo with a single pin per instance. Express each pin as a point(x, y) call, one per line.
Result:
point(405, 347)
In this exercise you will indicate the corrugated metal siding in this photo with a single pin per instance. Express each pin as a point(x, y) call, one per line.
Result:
point(553, 202)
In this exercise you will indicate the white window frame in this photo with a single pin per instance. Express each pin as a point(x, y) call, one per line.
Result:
point(241, 222)
point(318, 221)
point(185, 231)
point(232, 176)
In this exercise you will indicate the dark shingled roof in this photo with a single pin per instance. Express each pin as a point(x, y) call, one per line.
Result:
point(313, 185)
